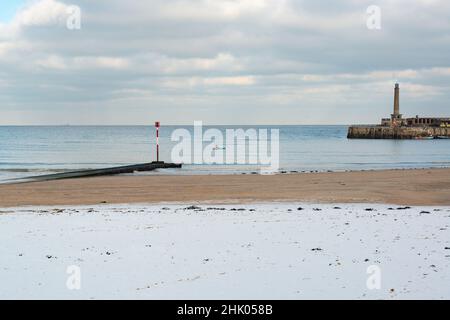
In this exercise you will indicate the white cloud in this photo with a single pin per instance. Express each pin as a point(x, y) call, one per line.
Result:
point(223, 61)
point(101, 62)
point(439, 71)
point(212, 10)
point(209, 81)
point(414, 90)
point(42, 13)
point(80, 63)
point(230, 81)
point(52, 62)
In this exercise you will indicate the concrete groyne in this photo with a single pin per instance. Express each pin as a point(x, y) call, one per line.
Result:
point(387, 132)
point(102, 172)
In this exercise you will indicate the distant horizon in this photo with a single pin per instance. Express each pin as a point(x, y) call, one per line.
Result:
point(162, 125)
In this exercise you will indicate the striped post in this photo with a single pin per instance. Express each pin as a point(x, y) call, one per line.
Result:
point(157, 140)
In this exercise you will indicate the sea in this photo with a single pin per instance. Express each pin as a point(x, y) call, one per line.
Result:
point(35, 150)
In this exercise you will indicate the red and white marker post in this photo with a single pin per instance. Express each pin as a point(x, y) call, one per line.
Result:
point(157, 140)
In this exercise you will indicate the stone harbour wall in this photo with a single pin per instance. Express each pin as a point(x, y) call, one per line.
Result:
point(384, 132)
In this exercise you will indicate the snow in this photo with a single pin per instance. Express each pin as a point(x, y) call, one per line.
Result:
point(262, 251)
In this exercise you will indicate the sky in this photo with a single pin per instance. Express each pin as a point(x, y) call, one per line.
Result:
point(8, 9)
point(221, 61)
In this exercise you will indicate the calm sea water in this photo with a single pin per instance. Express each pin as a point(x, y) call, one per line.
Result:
point(26, 151)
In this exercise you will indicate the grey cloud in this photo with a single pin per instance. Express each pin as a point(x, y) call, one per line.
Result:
point(313, 61)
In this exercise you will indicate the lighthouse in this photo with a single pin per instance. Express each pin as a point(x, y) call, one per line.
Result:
point(396, 117)
point(397, 127)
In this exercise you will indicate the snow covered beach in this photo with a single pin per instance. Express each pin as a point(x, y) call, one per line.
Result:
point(205, 251)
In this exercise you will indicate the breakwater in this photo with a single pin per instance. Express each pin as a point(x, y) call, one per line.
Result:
point(102, 172)
point(387, 132)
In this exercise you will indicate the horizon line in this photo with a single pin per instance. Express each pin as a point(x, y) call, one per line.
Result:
point(163, 125)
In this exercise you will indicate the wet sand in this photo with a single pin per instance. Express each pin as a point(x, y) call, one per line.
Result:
point(407, 187)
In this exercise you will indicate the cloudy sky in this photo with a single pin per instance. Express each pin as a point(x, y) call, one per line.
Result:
point(221, 61)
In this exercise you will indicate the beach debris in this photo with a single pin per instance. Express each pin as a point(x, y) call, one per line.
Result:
point(192, 208)
point(316, 249)
point(6, 212)
point(337, 208)
point(369, 209)
point(425, 212)
point(403, 208)
point(317, 209)
point(299, 208)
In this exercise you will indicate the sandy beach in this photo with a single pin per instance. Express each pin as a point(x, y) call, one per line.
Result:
point(251, 251)
point(403, 187)
point(349, 235)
